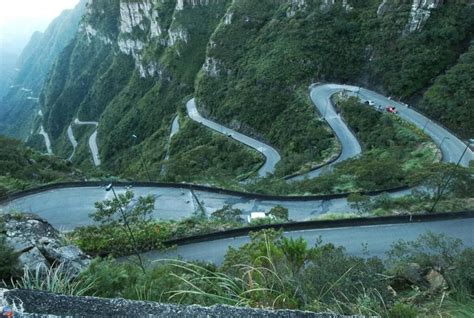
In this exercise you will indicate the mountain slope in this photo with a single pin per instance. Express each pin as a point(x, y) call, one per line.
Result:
point(450, 100)
point(20, 105)
point(130, 68)
point(22, 167)
point(262, 60)
point(134, 64)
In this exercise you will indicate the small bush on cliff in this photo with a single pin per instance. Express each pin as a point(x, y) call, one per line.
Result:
point(8, 261)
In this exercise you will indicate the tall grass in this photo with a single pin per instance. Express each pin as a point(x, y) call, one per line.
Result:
point(258, 286)
point(54, 279)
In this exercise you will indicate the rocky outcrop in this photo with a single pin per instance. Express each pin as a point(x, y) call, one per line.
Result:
point(134, 14)
point(41, 303)
point(181, 4)
point(428, 279)
point(420, 12)
point(40, 245)
point(328, 3)
point(295, 6)
point(211, 67)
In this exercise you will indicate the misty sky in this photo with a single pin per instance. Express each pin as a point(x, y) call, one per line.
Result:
point(20, 18)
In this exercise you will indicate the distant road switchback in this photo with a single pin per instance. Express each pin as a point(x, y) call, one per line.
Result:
point(92, 140)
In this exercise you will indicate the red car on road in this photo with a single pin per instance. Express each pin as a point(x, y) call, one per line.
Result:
point(391, 109)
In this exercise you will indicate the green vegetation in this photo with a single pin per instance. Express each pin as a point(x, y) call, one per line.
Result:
point(393, 151)
point(256, 72)
point(8, 258)
point(22, 168)
point(17, 114)
point(276, 272)
point(450, 99)
point(192, 161)
point(120, 213)
point(52, 279)
point(408, 63)
point(265, 61)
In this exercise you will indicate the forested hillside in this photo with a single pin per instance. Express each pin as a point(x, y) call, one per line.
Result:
point(451, 99)
point(22, 168)
point(134, 64)
point(19, 106)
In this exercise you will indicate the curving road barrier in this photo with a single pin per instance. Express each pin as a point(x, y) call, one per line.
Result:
point(361, 237)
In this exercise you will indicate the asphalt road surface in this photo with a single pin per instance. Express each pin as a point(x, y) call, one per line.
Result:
point(452, 147)
point(47, 141)
point(72, 140)
point(69, 207)
point(350, 147)
point(92, 140)
point(373, 240)
point(271, 155)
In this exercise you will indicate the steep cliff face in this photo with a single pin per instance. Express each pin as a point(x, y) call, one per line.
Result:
point(420, 11)
point(142, 59)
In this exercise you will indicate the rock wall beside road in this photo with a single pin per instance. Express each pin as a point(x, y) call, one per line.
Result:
point(39, 245)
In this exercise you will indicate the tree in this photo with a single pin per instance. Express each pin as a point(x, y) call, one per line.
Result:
point(227, 214)
point(279, 212)
point(359, 202)
point(440, 179)
point(127, 214)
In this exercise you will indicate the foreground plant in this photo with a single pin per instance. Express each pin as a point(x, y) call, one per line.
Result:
point(54, 279)
point(127, 214)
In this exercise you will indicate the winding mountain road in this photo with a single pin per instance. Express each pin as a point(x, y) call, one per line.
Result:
point(350, 147)
point(272, 157)
point(363, 241)
point(173, 131)
point(175, 204)
point(72, 140)
point(171, 203)
point(47, 141)
point(451, 146)
point(92, 140)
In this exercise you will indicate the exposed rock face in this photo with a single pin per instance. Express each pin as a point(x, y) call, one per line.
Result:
point(228, 18)
point(328, 3)
point(295, 6)
point(211, 67)
point(413, 273)
point(181, 4)
point(140, 26)
point(383, 7)
point(39, 244)
point(132, 14)
point(34, 302)
point(177, 34)
point(436, 281)
point(420, 12)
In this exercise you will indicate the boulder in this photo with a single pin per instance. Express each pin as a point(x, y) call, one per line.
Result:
point(413, 273)
point(436, 281)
